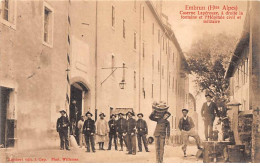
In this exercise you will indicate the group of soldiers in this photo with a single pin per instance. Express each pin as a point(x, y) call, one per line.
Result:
point(127, 130)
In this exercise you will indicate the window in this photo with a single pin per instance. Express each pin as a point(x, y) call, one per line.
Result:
point(113, 16)
point(143, 13)
point(153, 29)
point(48, 25)
point(162, 72)
point(143, 88)
point(143, 50)
point(134, 79)
point(173, 84)
point(135, 40)
point(123, 28)
point(153, 62)
point(159, 36)
point(152, 90)
point(8, 12)
point(158, 66)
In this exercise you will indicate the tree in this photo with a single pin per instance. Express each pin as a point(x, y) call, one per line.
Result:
point(208, 61)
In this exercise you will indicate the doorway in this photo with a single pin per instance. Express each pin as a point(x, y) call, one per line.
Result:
point(7, 123)
point(77, 103)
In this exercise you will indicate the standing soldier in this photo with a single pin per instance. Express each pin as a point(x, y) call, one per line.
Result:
point(208, 111)
point(112, 131)
point(80, 128)
point(162, 130)
point(130, 133)
point(186, 127)
point(89, 129)
point(102, 131)
point(63, 127)
point(142, 131)
point(121, 129)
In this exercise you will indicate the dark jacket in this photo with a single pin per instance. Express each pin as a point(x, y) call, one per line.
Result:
point(186, 125)
point(141, 126)
point(131, 126)
point(89, 127)
point(112, 126)
point(162, 126)
point(63, 123)
point(209, 112)
point(121, 125)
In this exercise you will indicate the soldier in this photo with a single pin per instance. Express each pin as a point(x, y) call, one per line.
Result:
point(89, 129)
point(142, 131)
point(208, 111)
point(112, 131)
point(186, 126)
point(121, 129)
point(62, 127)
point(162, 130)
point(130, 133)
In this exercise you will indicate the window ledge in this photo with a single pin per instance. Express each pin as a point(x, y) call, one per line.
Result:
point(8, 24)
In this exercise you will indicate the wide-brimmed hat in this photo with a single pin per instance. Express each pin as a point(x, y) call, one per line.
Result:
point(120, 113)
point(102, 114)
point(89, 113)
point(112, 115)
point(140, 114)
point(63, 111)
point(184, 110)
point(129, 112)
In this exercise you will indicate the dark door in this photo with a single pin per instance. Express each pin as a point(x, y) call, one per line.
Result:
point(4, 97)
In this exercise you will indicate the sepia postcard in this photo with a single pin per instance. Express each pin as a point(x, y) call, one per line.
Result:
point(129, 81)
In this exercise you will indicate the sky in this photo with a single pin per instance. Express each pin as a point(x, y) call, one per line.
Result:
point(188, 31)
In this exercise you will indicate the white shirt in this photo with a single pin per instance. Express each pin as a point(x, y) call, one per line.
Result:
point(208, 103)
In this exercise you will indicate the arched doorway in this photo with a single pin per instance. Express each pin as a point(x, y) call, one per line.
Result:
point(78, 97)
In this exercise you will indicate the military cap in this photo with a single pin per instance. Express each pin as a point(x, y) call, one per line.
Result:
point(112, 115)
point(102, 114)
point(140, 114)
point(88, 113)
point(63, 111)
point(120, 113)
point(184, 110)
point(129, 112)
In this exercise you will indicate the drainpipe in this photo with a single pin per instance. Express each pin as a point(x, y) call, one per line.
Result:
point(140, 29)
point(96, 57)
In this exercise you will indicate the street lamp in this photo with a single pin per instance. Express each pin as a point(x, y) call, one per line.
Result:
point(122, 84)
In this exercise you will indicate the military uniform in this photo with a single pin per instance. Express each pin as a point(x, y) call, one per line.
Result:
point(121, 129)
point(89, 130)
point(161, 132)
point(62, 127)
point(112, 133)
point(142, 131)
point(131, 136)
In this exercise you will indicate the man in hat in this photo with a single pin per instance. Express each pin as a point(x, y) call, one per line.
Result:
point(131, 133)
point(186, 126)
point(89, 129)
point(162, 132)
point(121, 129)
point(102, 131)
point(112, 131)
point(142, 131)
point(208, 112)
point(80, 129)
point(62, 127)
